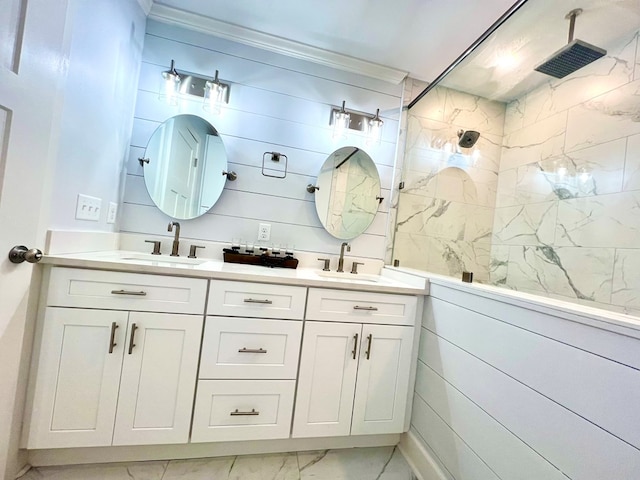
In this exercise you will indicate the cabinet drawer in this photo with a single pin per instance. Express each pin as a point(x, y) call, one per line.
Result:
point(245, 299)
point(361, 307)
point(242, 410)
point(72, 287)
point(250, 348)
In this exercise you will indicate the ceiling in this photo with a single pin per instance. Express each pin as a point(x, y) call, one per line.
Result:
point(502, 67)
point(379, 38)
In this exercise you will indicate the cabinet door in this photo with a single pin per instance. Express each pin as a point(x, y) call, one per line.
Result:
point(326, 381)
point(76, 388)
point(383, 380)
point(158, 379)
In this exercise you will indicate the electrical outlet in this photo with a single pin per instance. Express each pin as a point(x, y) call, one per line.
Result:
point(88, 208)
point(264, 232)
point(112, 212)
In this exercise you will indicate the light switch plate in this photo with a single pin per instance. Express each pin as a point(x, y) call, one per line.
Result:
point(112, 212)
point(88, 208)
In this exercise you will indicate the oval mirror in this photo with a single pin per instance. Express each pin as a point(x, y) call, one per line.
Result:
point(347, 195)
point(183, 166)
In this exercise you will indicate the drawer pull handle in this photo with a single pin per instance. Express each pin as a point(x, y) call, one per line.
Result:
point(253, 300)
point(369, 309)
point(128, 292)
point(355, 345)
point(236, 413)
point(370, 339)
point(134, 327)
point(252, 350)
point(112, 339)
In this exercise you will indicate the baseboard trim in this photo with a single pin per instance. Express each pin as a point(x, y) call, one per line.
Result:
point(421, 461)
point(74, 456)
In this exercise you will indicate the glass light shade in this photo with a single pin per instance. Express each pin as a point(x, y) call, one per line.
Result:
point(341, 121)
point(374, 130)
point(170, 87)
point(214, 96)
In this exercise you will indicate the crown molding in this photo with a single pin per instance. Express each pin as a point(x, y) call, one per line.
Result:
point(146, 5)
point(230, 31)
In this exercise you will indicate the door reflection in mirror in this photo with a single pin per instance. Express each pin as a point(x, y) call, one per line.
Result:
point(184, 173)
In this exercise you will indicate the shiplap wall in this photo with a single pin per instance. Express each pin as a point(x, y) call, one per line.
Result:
point(278, 104)
point(504, 392)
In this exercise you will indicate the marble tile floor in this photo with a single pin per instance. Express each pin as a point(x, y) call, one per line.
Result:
point(377, 463)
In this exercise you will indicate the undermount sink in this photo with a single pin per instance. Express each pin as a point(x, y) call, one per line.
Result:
point(350, 277)
point(147, 257)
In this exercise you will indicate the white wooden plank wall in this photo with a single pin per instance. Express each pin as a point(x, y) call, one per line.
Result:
point(505, 392)
point(278, 104)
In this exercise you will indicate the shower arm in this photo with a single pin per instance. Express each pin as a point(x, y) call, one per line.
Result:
point(571, 16)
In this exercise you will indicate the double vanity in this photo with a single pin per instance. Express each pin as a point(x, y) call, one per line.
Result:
point(136, 350)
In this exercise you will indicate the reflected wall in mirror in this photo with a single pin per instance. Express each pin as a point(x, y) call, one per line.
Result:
point(183, 166)
point(348, 191)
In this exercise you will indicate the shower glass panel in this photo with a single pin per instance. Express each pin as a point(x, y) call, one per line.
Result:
point(546, 201)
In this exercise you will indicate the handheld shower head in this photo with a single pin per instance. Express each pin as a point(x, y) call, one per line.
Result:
point(467, 138)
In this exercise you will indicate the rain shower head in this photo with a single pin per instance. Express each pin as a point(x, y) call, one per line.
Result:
point(573, 56)
point(468, 138)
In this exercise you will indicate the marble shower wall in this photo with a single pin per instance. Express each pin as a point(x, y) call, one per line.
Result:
point(567, 217)
point(445, 211)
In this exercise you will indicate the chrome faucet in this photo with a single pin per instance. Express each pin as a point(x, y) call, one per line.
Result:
point(341, 259)
point(176, 238)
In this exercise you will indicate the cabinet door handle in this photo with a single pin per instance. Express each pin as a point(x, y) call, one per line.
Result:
point(112, 339)
point(370, 339)
point(369, 309)
point(236, 413)
point(134, 327)
point(355, 345)
point(252, 350)
point(128, 292)
point(253, 300)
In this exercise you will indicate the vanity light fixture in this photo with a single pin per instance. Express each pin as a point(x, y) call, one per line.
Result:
point(344, 120)
point(215, 94)
point(374, 129)
point(180, 84)
point(171, 85)
point(341, 120)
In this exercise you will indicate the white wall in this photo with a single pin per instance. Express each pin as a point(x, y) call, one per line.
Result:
point(99, 98)
point(504, 392)
point(278, 104)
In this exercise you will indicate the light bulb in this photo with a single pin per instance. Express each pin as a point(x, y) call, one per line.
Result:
point(214, 95)
point(171, 86)
point(341, 121)
point(374, 131)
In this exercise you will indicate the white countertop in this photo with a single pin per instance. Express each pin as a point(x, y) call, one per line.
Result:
point(386, 282)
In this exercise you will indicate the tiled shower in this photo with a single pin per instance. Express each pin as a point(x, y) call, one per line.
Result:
point(548, 200)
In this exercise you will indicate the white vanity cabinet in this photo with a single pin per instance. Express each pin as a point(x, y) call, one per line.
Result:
point(355, 364)
point(249, 361)
point(109, 375)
